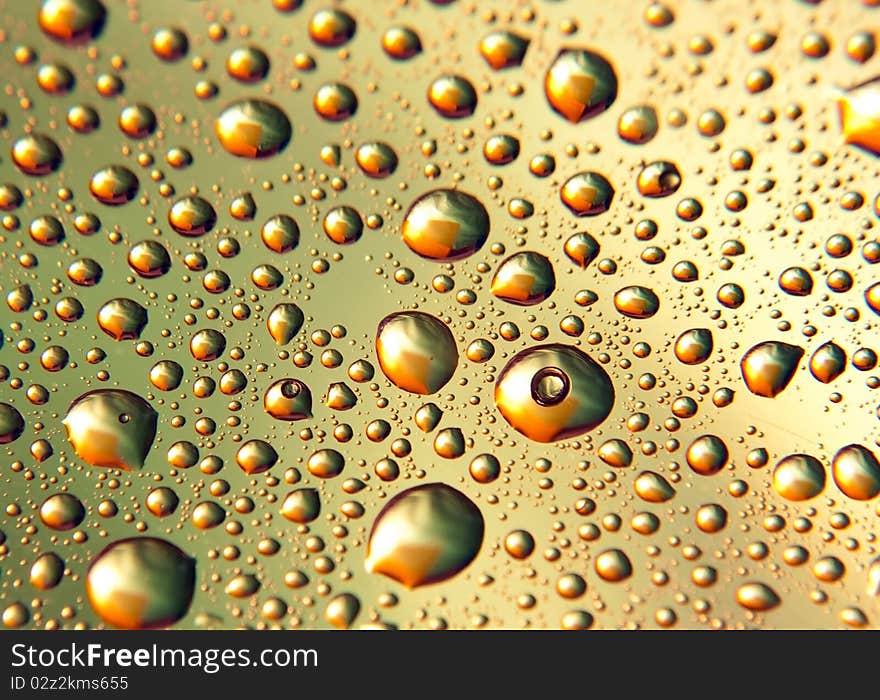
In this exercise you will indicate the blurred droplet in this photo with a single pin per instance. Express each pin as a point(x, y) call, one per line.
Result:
point(141, 583)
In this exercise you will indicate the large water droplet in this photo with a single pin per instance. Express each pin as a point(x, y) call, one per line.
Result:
point(856, 472)
point(36, 154)
point(416, 351)
point(111, 428)
point(757, 597)
point(636, 302)
point(587, 194)
point(284, 322)
point(799, 477)
point(694, 346)
point(425, 535)
point(553, 392)
point(122, 319)
point(288, 399)
point(452, 96)
point(11, 424)
point(524, 279)
point(141, 583)
point(707, 455)
point(580, 84)
point(114, 185)
point(768, 367)
point(72, 21)
point(446, 225)
point(253, 128)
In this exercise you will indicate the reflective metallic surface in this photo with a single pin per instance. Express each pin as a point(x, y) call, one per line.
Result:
point(439, 314)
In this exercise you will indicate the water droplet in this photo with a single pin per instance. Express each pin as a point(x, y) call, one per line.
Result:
point(553, 392)
point(480, 350)
point(326, 464)
point(768, 367)
point(501, 49)
point(452, 96)
point(524, 279)
point(425, 535)
point(446, 225)
point(449, 443)
point(860, 47)
point(613, 565)
point(707, 455)
point(62, 511)
point(829, 569)
point(615, 453)
point(36, 154)
point(342, 610)
point(638, 125)
point(242, 586)
point(256, 457)
point(55, 79)
point(102, 437)
point(248, 64)
point(170, 44)
point(587, 194)
point(11, 424)
point(416, 352)
point(192, 216)
point(874, 578)
point(343, 225)
point(659, 179)
point(122, 319)
point(711, 123)
point(162, 502)
point(72, 21)
point(636, 302)
point(340, 397)
point(828, 362)
point(757, 597)
point(799, 477)
point(501, 149)
point(519, 544)
point(47, 571)
point(796, 281)
point(401, 43)
point(16, 615)
point(335, 102)
point(243, 207)
point(149, 259)
point(83, 119)
point(652, 487)
point(284, 323)
point(484, 468)
point(571, 586)
point(856, 472)
point(301, 506)
point(207, 345)
point(331, 27)
point(376, 159)
point(711, 518)
point(581, 248)
point(288, 399)
point(694, 346)
point(859, 109)
point(577, 620)
point(253, 128)
point(85, 272)
point(580, 84)
point(137, 121)
point(141, 583)
point(280, 234)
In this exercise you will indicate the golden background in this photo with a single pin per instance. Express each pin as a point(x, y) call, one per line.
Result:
point(801, 148)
